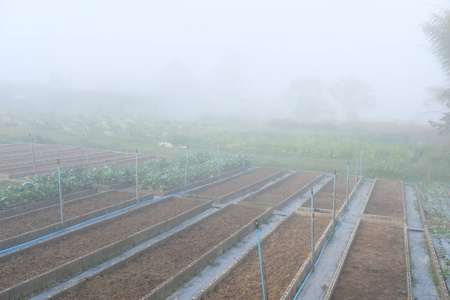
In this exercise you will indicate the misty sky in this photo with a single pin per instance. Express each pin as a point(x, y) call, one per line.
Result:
point(212, 56)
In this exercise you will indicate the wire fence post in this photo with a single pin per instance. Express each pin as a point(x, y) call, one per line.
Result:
point(312, 230)
point(186, 171)
point(218, 161)
point(61, 202)
point(32, 155)
point(356, 178)
point(260, 259)
point(87, 149)
point(137, 178)
point(35, 132)
point(243, 150)
point(334, 199)
point(128, 141)
point(360, 163)
point(346, 194)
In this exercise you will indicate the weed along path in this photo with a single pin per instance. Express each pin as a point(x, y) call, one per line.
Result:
point(319, 280)
point(144, 272)
point(26, 263)
point(375, 267)
point(283, 254)
point(423, 286)
point(33, 220)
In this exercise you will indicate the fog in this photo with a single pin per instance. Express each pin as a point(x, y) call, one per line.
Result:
point(342, 60)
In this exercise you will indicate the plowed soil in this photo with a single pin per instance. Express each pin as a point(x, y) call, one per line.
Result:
point(283, 254)
point(323, 199)
point(375, 266)
point(143, 274)
point(386, 199)
point(277, 193)
point(36, 261)
point(226, 187)
point(48, 216)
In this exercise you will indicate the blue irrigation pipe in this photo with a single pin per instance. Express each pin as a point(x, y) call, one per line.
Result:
point(60, 197)
point(243, 150)
point(312, 230)
point(32, 155)
point(137, 178)
point(321, 252)
point(99, 218)
point(186, 171)
point(35, 132)
point(128, 141)
point(260, 259)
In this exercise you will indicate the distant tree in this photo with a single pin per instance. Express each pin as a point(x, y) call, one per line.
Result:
point(437, 30)
point(352, 95)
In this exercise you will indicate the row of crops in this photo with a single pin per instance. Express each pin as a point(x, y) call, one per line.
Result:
point(155, 175)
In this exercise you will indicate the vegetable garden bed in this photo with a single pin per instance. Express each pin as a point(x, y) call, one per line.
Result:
point(25, 227)
point(284, 252)
point(236, 186)
point(375, 263)
point(386, 201)
point(171, 261)
point(323, 198)
point(44, 263)
point(285, 190)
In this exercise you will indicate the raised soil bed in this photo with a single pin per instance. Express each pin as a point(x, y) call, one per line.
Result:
point(323, 198)
point(144, 272)
point(283, 253)
point(227, 189)
point(376, 266)
point(285, 189)
point(386, 199)
point(108, 237)
point(33, 220)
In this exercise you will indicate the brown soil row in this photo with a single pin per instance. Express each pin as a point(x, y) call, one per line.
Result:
point(386, 199)
point(19, 149)
point(375, 266)
point(323, 199)
point(283, 254)
point(36, 261)
point(51, 215)
point(63, 163)
point(52, 156)
point(143, 274)
point(276, 193)
point(236, 183)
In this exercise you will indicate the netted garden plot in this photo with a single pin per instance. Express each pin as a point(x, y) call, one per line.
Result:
point(63, 256)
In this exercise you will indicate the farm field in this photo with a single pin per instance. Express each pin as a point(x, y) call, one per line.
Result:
point(18, 267)
point(293, 236)
point(137, 277)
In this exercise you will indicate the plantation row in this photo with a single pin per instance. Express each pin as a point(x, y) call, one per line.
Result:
point(155, 175)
